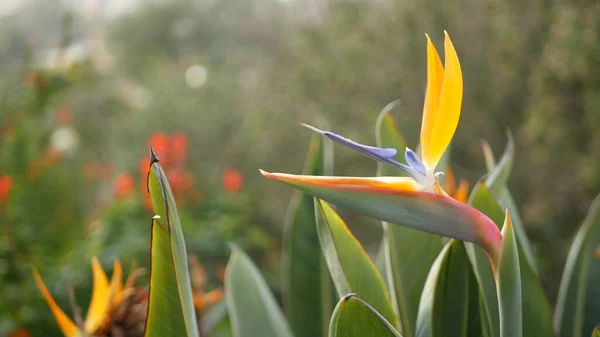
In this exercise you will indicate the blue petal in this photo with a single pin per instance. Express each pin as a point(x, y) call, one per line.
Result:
point(414, 161)
point(385, 155)
point(373, 152)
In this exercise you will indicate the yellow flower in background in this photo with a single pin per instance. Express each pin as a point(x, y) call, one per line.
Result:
point(203, 300)
point(105, 296)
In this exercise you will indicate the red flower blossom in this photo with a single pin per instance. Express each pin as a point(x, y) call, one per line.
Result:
point(181, 182)
point(179, 146)
point(64, 116)
point(22, 332)
point(160, 143)
point(171, 152)
point(95, 171)
point(232, 180)
point(6, 183)
point(124, 185)
point(51, 157)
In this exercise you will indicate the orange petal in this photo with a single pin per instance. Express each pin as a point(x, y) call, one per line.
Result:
point(99, 304)
point(116, 283)
point(213, 297)
point(435, 78)
point(65, 324)
point(449, 181)
point(462, 192)
point(450, 101)
point(197, 273)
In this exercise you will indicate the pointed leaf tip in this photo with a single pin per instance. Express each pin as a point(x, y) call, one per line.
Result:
point(153, 157)
point(508, 282)
point(349, 296)
point(507, 222)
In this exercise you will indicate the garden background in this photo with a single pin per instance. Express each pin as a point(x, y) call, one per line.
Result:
point(219, 87)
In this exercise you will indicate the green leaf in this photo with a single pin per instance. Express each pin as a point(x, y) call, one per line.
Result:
point(596, 332)
point(482, 200)
point(577, 307)
point(170, 308)
point(498, 176)
point(445, 302)
point(351, 268)
point(308, 294)
point(497, 184)
point(252, 308)
point(536, 308)
point(408, 253)
point(388, 135)
point(354, 317)
point(509, 284)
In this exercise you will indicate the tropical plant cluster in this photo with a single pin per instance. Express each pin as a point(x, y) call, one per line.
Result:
point(448, 265)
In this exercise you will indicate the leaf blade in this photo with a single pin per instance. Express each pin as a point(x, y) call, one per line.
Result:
point(169, 262)
point(444, 305)
point(536, 307)
point(354, 317)
point(573, 306)
point(251, 305)
point(307, 295)
point(351, 268)
point(509, 284)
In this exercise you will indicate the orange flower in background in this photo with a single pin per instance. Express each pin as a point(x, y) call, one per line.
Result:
point(124, 185)
point(143, 168)
point(7, 131)
point(160, 143)
point(181, 181)
point(51, 157)
point(22, 332)
point(100, 304)
point(202, 300)
point(6, 183)
point(232, 180)
point(460, 192)
point(114, 306)
point(179, 146)
point(64, 116)
point(35, 79)
point(172, 152)
point(96, 171)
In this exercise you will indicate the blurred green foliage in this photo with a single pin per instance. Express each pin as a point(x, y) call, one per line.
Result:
point(82, 92)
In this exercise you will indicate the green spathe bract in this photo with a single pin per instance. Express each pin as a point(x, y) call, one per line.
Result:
point(509, 284)
point(424, 211)
point(170, 308)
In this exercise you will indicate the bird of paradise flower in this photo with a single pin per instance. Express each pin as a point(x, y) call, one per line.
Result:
point(417, 199)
